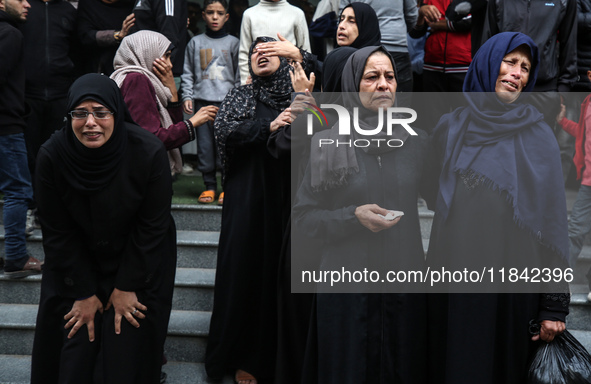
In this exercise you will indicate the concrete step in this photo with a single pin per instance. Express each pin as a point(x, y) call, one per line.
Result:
point(195, 249)
point(583, 265)
point(15, 369)
point(186, 340)
point(187, 217)
point(197, 217)
point(579, 317)
point(193, 289)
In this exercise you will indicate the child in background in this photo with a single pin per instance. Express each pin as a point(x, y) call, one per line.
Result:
point(210, 71)
point(579, 224)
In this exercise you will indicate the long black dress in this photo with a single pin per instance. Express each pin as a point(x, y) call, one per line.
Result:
point(369, 337)
point(484, 338)
point(243, 327)
point(122, 236)
point(501, 204)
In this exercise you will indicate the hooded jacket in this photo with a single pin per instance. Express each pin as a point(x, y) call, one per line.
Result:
point(50, 33)
point(541, 20)
point(583, 45)
point(12, 77)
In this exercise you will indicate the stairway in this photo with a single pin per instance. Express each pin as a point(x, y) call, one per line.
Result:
point(197, 241)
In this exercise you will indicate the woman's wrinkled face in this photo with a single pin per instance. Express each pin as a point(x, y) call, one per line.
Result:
point(377, 88)
point(347, 31)
point(263, 65)
point(90, 131)
point(513, 74)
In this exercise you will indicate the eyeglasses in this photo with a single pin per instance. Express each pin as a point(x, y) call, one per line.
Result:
point(81, 114)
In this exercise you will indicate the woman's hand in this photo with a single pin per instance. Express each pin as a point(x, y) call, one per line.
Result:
point(163, 70)
point(203, 115)
point(368, 217)
point(188, 106)
point(283, 119)
point(300, 103)
point(282, 48)
point(299, 80)
point(83, 312)
point(128, 23)
point(549, 329)
point(561, 114)
point(126, 305)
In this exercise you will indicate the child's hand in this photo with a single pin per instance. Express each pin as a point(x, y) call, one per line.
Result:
point(188, 106)
point(203, 115)
point(561, 114)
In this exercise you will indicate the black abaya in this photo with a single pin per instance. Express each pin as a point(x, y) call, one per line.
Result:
point(484, 338)
point(243, 327)
point(368, 337)
point(120, 236)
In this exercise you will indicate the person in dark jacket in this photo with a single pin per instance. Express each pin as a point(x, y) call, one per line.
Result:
point(102, 24)
point(104, 192)
point(49, 41)
point(15, 182)
point(169, 17)
point(552, 26)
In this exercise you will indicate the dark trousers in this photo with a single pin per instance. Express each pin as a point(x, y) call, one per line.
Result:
point(208, 159)
point(45, 117)
point(439, 105)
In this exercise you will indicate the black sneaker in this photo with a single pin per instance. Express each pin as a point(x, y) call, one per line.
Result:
point(163, 377)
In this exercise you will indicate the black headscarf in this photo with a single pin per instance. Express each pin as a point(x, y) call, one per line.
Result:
point(239, 106)
point(333, 70)
point(91, 169)
point(333, 164)
point(368, 25)
point(274, 90)
point(509, 145)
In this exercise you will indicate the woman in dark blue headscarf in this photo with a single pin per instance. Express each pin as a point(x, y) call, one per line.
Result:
point(501, 203)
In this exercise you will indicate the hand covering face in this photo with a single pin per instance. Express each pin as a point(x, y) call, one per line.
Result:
point(137, 54)
point(509, 145)
point(239, 106)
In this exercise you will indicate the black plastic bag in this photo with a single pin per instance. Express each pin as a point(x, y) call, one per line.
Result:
point(562, 361)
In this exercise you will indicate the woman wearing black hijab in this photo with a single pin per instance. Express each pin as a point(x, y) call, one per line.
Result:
point(358, 26)
point(364, 337)
point(104, 192)
point(243, 331)
point(102, 24)
point(501, 203)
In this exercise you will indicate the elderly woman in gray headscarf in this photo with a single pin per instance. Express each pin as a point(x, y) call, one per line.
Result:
point(345, 202)
point(143, 71)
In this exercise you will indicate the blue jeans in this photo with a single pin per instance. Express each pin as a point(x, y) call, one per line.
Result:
point(15, 184)
point(579, 225)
